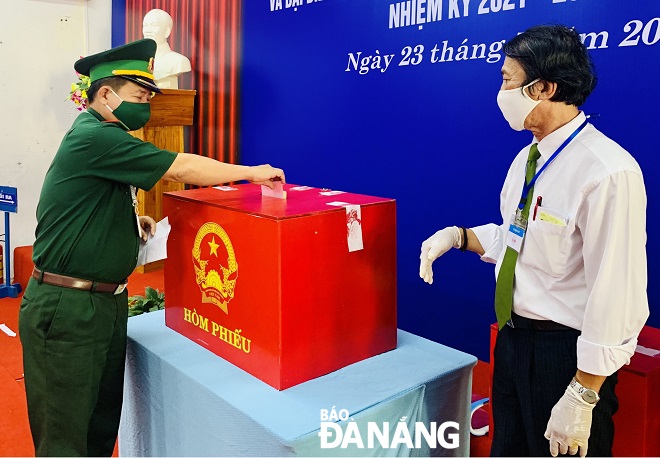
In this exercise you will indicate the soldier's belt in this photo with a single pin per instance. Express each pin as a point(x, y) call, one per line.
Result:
point(78, 283)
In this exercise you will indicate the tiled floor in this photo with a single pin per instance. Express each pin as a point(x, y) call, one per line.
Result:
point(15, 432)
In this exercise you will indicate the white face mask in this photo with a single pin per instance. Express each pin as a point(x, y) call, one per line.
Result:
point(516, 105)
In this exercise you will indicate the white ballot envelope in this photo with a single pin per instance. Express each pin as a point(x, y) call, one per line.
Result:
point(155, 248)
point(277, 191)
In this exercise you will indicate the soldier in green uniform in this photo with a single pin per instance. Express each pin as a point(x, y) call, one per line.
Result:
point(73, 316)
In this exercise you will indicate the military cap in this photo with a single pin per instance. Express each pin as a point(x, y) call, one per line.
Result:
point(133, 61)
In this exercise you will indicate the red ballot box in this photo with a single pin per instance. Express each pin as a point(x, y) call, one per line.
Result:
point(270, 284)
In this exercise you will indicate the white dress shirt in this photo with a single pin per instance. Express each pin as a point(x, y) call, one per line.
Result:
point(583, 261)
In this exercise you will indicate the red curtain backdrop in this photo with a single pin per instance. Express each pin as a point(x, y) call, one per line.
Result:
point(208, 33)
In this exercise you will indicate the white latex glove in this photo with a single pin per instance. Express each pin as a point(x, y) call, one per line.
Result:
point(434, 247)
point(569, 426)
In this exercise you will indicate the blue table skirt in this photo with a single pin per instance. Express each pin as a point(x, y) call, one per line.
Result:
point(182, 400)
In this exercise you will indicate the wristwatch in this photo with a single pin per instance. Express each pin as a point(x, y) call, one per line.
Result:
point(587, 394)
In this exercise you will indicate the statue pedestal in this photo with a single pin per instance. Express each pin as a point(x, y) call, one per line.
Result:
point(170, 112)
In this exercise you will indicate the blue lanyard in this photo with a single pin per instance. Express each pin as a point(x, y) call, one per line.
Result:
point(527, 187)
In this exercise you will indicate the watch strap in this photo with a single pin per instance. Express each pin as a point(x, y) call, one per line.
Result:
point(587, 394)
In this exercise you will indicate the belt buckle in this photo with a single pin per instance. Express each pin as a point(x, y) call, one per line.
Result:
point(120, 288)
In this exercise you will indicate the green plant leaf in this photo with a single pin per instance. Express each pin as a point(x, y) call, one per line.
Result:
point(151, 293)
point(154, 300)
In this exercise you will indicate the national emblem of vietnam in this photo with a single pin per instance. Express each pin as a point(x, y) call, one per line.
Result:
point(215, 274)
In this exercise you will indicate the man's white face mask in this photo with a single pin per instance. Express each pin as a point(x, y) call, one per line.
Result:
point(516, 105)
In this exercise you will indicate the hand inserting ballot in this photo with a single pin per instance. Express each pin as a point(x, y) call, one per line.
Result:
point(266, 175)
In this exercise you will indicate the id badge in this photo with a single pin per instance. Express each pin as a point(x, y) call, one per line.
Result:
point(139, 229)
point(517, 229)
point(135, 209)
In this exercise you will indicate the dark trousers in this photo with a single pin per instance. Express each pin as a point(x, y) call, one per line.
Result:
point(532, 370)
point(74, 349)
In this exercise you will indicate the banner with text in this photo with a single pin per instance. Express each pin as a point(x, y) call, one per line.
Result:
point(398, 99)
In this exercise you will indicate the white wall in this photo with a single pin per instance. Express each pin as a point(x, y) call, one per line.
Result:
point(39, 42)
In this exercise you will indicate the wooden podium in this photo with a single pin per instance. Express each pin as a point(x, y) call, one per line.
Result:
point(170, 112)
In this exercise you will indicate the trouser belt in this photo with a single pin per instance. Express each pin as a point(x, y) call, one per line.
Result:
point(520, 322)
point(78, 283)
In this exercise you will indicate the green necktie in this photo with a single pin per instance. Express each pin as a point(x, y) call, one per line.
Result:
point(504, 287)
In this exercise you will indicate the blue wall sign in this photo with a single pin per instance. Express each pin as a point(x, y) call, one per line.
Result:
point(8, 199)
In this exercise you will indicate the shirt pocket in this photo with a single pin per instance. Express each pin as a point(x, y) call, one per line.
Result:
point(546, 243)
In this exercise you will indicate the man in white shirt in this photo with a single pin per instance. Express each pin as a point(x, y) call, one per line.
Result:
point(579, 297)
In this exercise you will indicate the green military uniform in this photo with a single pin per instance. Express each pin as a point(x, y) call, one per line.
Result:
point(74, 341)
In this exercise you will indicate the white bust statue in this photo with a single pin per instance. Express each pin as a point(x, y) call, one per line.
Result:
point(168, 65)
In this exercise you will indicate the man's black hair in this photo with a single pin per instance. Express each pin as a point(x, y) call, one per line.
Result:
point(555, 53)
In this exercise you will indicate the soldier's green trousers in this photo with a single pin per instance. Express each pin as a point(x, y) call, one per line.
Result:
point(74, 349)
